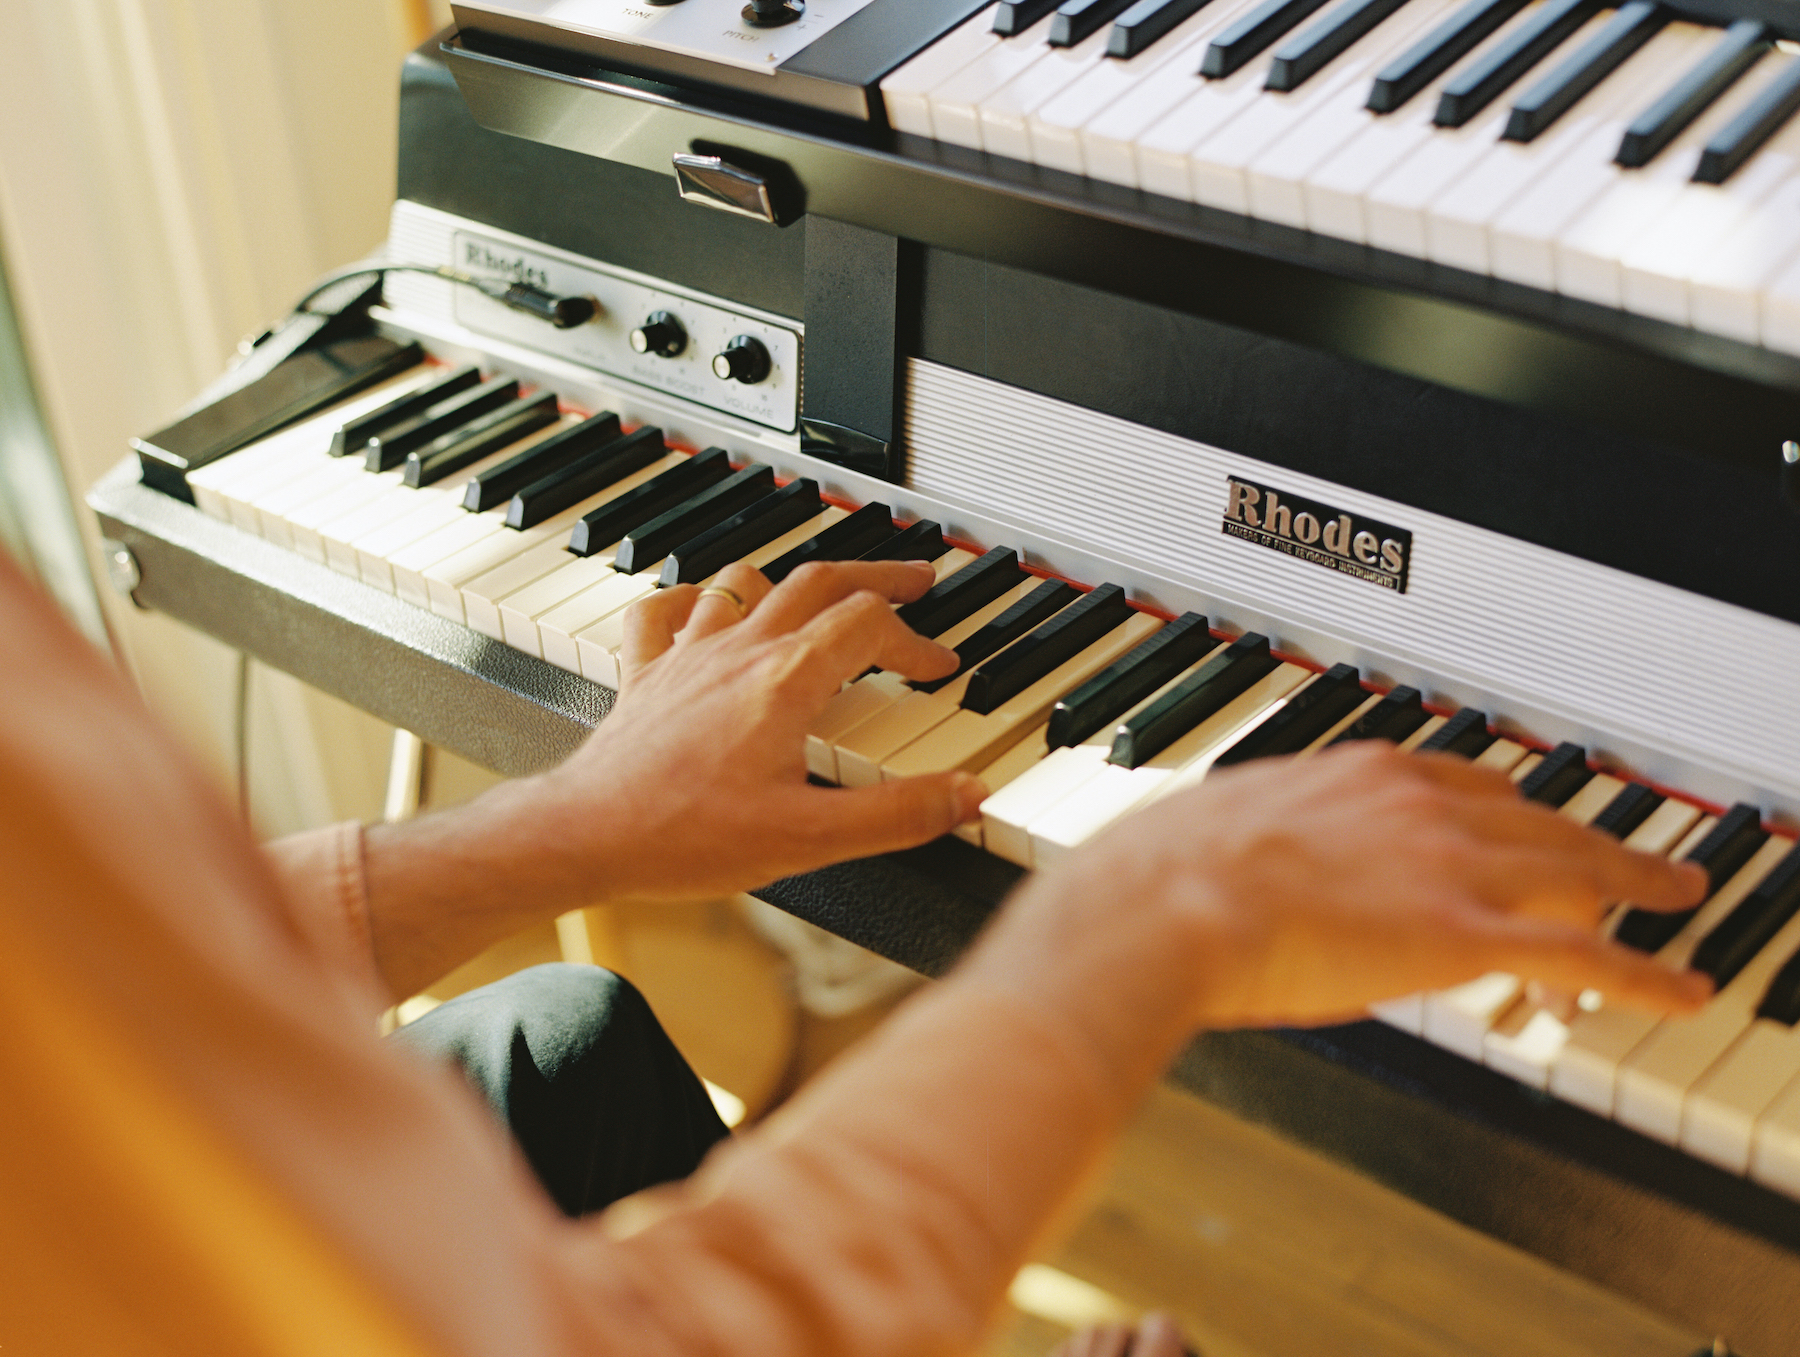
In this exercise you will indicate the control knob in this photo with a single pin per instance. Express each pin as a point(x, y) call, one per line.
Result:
point(773, 13)
point(661, 336)
point(744, 360)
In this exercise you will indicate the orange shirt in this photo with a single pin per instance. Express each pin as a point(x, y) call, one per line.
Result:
point(204, 1148)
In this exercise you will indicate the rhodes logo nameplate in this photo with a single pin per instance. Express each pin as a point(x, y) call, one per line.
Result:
point(1351, 544)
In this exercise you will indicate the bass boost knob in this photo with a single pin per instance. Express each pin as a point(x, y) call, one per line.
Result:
point(661, 336)
point(743, 360)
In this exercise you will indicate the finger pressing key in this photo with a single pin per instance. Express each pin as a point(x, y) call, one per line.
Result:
point(818, 585)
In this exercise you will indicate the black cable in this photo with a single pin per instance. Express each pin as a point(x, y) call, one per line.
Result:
point(564, 312)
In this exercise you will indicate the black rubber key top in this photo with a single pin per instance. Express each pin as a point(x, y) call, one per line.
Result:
point(354, 436)
point(550, 495)
point(1130, 679)
point(1306, 54)
point(1198, 696)
point(1743, 45)
point(483, 438)
point(1732, 842)
point(1393, 718)
point(1077, 19)
point(1058, 641)
point(1626, 811)
point(1559, 775)
point(922, 541)
point(1013, 17)
point(1755, 123)
point(389, 449)
point(1145, 22)
point(1483, 80)
point(963, 594)
point(1252, 34)
point(1748, 929)
point(637, 506)
point(646, 545)
point(1466, 734)
point(1307, 715)
point(736, 537)
point(498, 484)
point(1437, 51)
point(1049, 598)
point(846, 540)
point(1547, 100)
point(1781, 1002)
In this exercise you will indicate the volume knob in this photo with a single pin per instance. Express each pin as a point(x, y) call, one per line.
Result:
point(743, 360)
point(662, 336)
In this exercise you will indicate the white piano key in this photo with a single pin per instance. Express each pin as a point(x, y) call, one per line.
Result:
point(1775, 1146)
point(1779, 321)
point(1458, 220)
point(1653, 1080)
point(1056, 129)
point(956, 103)
point(410, 563)
point(905, 91)
point(1719, 1117)
point(519, 611)
point(861, 751)
point(1584, 1068)
point(1005, 113)
point(970, 740)
point(1117, 791)
point(1163, 148)
point(559, 629)
point(1014, 762)
point(305, 523)
point(1726, 286)
point(1522, 240)
point(1658, 265)
point(1258, 165)
point(271, 502)
point(1590, 250)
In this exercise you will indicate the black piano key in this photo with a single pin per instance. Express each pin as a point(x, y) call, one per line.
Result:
point(550, 495)
point(1748, 929)
point(1465, 734)
point(1200, 695)
point(498, 484)
point(1308, 714)
point(1145, 22)
point(1554, 95)
point(1049, 598)
point(1076, 19)
point(1559, 775)
point(1759, 120)
point(481, 438)
point(1393, 718)
point(1742, 46)
point(1131, 678)
point(1305, 54)
point(1781, 1001)
point(1244, 40)
point(1731, 843)
point(388, 450)
point(1058, 641)
point(846, 540)
point(1481, 82)
point(637, 506)
point(959, 596)
point(648, 543)
point(736, 537)
point(1437, 51)
point(354, 436)
point(923, 541)
point(1013, 17)
point(1626, 811)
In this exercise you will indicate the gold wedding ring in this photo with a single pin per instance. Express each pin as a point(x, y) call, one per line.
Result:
point(730, 596)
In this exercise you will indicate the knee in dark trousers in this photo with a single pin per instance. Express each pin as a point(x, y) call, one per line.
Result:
point(576, 1064)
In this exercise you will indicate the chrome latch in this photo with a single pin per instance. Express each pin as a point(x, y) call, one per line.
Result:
point(712, 181)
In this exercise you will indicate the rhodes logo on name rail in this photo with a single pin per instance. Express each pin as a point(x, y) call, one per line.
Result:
point(1348, 543)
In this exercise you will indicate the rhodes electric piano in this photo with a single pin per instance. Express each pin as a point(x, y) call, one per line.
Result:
point(1259, 373)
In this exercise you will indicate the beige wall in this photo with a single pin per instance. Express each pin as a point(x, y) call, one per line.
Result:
point(172, 173)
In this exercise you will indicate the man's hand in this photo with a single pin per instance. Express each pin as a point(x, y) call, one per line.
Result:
point(1300, 891)
point(696, 783)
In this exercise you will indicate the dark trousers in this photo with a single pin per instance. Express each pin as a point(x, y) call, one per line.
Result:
point(574, 1062)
